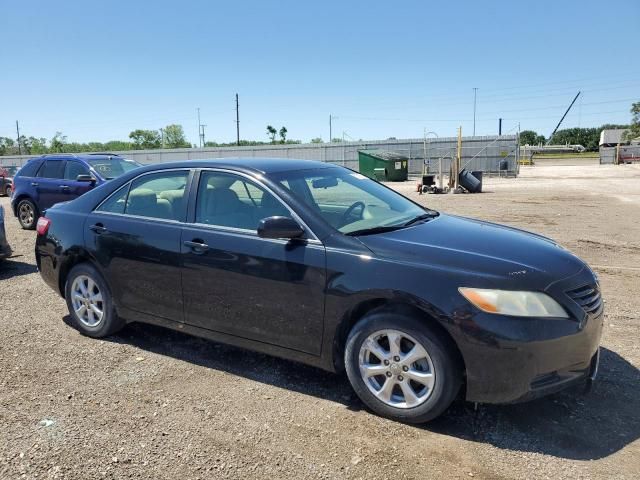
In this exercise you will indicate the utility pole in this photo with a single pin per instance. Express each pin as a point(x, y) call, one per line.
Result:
point(330, 133)
point(202, 135)
point(499, 127)
point(237, 121)
point(199, 128)
point(18, 131)
point(475, 91)
point(162, 137)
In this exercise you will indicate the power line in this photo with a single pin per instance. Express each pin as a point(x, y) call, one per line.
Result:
point(450, 100)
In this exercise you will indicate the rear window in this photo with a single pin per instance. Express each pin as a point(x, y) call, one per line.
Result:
point(29, 169)
point(52, 169)
point(112, 167)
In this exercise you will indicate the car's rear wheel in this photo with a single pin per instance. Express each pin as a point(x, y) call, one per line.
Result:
point(7, 190)
point(90, 303)
point(27, 214)
point(401, 368)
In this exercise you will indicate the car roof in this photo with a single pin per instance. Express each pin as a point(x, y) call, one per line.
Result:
point(257, 165)
point(72, 156)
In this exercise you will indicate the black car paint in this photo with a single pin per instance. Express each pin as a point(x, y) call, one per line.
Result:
point(5, 248)
point(297, 299)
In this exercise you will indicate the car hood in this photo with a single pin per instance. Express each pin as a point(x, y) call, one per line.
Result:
point(493, 252)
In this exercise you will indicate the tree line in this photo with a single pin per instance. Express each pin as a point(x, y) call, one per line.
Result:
point(589, 138)
point(171, 136)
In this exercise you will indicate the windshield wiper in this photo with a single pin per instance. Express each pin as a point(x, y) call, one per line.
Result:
point(420, 218)
point(374, 230)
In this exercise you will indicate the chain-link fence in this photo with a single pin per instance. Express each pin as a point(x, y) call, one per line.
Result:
point(491, 154)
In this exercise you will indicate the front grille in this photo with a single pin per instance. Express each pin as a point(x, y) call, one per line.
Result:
point(588, 297)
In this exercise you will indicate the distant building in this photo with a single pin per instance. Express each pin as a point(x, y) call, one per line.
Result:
point(613, 137)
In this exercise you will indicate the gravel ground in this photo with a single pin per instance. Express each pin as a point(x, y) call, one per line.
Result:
point(149, 403)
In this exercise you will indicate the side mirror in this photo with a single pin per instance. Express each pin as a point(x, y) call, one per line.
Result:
point(279, 227)
point(86, 178)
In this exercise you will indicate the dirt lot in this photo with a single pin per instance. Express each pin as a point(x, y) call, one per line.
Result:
point(153, 404)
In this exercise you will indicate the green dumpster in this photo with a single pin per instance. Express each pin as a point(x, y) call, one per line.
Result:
point(383, 166)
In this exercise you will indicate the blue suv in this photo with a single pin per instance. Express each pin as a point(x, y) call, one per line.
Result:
point(50, 179)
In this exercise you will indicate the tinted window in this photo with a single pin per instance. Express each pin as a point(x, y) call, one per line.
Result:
point(159, 195)
point(51, 169)
point(29, 170)
point(73, 169)
point(111, 167)
point(117, 202)
point(233, 201)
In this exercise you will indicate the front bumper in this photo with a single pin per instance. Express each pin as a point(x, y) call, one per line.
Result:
point(511, 359)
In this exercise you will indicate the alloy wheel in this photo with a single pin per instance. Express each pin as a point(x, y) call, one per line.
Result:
point(26, 214)
point(396, 368)
point(87, 301)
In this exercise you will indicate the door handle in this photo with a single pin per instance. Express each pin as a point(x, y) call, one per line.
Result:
point(34, 184)
point(98, 228)
point(64, 188)
point(197, 246)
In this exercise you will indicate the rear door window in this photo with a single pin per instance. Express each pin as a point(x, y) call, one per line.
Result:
point(52, 169)
point(155, 195)
point(29, 170)
point(159, 195)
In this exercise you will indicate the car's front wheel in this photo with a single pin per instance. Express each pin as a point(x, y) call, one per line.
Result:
point(401, 368)
point(90, 303)
point(27, 214)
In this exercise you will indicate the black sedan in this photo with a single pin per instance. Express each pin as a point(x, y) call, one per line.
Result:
point(319, 264)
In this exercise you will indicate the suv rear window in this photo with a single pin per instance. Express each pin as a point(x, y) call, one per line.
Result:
point(29, 169)
point(52, 169)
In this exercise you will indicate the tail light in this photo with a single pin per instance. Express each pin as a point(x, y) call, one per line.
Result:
point(42, 227)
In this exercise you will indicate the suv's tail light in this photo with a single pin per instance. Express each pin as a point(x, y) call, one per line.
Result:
point(42, 226)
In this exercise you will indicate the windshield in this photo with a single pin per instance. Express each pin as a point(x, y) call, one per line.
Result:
point(112, 167)
point(349, 201)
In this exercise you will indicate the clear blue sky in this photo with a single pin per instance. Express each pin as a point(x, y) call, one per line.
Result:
point(97, 70)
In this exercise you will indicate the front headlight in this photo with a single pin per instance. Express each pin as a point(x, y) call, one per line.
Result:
point(517, 304)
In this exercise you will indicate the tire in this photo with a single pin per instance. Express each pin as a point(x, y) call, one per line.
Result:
point(438, 373)
point(7, 190)
point(27, 214)
point(86, 288)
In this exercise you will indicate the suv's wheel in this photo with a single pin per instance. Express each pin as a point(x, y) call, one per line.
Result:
point(89, 302)
point(7, 190)
point(27, 214)
point(400, 368)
